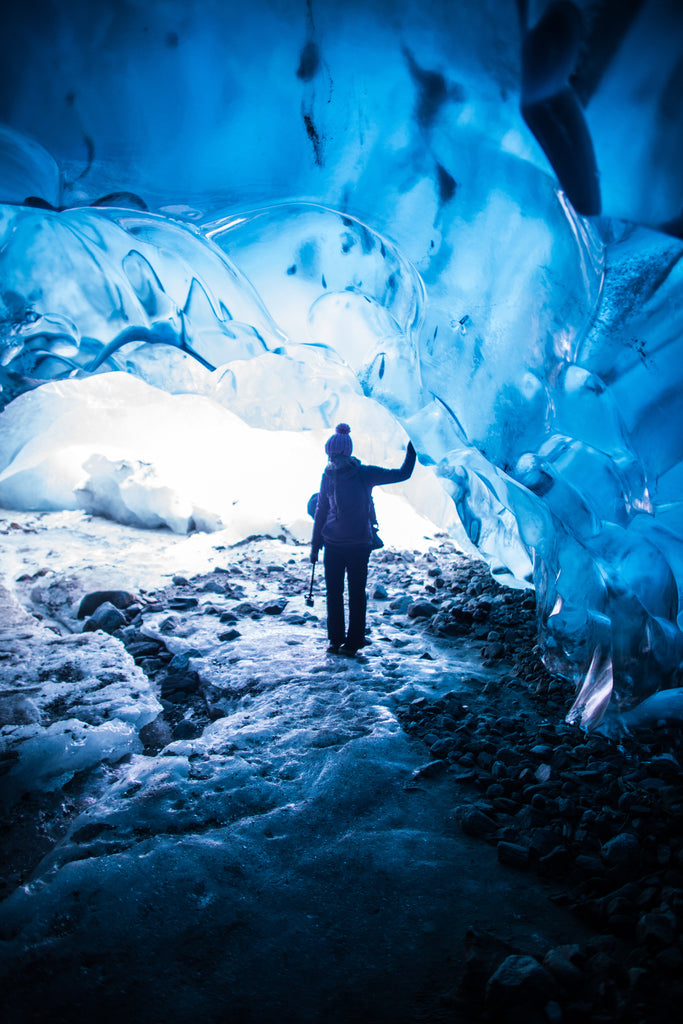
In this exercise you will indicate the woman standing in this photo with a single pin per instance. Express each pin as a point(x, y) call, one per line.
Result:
point(344, 520)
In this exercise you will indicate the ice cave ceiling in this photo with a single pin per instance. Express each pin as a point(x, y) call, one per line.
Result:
point(478, 206)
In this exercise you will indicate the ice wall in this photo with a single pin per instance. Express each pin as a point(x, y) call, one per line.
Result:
point(378, 193)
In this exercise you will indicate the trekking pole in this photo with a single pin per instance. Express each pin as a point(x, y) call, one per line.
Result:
point(309, 599)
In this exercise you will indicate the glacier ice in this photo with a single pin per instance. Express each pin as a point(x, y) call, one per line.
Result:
point(390, 240)
point(83, 288)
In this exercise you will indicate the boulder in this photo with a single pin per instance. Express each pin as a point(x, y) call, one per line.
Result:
point(106, 617)
point(91, 602)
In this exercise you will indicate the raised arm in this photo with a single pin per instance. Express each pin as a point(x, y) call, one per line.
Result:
point(376, 475)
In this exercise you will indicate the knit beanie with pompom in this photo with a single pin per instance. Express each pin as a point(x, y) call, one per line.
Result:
point(340, 442)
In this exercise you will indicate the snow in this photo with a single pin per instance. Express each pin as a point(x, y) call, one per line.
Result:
point(115, 446)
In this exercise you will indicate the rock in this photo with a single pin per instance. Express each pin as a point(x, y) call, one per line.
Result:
point(106, 617)
point(187, 730)
point(657, 928)
point(180, 679)
point(558, 962)
point(155, 735)
point(462, 616)
point(505, 805)
point(622, 851)
point(275, 607)
point(380, 593)
point(508, 756)
point(484, 952)
point(484, 759)
point(180, 581)
point(421, 610)
point(230, 634)
point(141, 646)
point(181, 662)
point(442, 747)
point(475, 821)
point(589, 865)
point(180, 604)
point(519, 980)
point(443, 623)
point(400, 604)
point(176, 687)
point(214, 587)
point(150, 666)
point(494, 651)
point(480, 611)
point(248, 608)
point(91, 602)
point(666, 765)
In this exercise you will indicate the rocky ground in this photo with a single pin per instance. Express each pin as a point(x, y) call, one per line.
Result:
point(595, 826)
point(601, 823)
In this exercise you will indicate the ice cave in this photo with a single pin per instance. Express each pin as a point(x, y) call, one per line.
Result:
point(481, 238)
point(225, 227)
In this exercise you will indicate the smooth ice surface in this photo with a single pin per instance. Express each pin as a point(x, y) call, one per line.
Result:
point(391, 206)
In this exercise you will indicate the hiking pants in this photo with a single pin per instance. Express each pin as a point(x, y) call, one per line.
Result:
point(350, 561)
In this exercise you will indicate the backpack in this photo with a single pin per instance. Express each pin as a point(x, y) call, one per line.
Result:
point(355, 504)
point(356, 507)
point(352, 501)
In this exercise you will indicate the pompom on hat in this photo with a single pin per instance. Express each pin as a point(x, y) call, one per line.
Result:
point(340, 443)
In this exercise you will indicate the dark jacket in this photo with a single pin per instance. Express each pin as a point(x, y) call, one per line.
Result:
point(345, 513)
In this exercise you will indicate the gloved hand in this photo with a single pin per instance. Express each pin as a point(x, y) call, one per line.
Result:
point(314, 555)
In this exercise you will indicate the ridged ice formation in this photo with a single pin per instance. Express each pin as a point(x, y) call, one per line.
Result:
point(376, 189)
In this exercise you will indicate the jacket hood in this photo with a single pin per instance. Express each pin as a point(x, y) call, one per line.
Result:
point(342, 465)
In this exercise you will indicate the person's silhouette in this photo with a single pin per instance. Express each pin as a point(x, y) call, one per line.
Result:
point(344, 521)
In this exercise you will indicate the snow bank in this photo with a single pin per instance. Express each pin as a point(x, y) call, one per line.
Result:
point(116, 446)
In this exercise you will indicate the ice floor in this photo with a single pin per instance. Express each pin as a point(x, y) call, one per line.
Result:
point(288, 864)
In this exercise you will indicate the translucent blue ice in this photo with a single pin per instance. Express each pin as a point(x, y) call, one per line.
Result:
point(401, 193)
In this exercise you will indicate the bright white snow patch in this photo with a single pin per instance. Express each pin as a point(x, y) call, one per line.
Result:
point(115, 446)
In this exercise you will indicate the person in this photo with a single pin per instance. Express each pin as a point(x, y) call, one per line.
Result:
point(343, 526)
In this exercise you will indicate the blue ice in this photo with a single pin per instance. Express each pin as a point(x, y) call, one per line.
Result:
point(510, 293)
